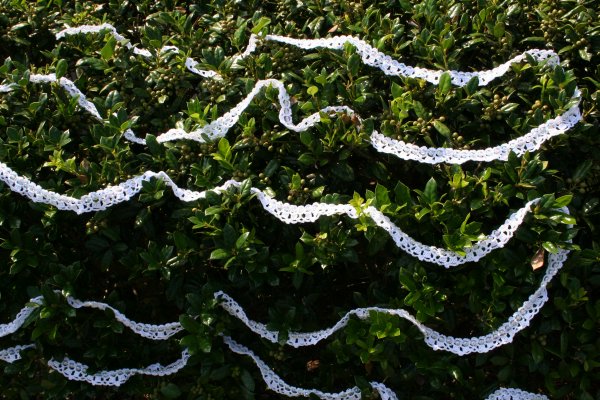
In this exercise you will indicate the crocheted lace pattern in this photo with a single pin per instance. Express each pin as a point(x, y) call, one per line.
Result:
point(74, 370)
point(293, 214)
point(285, 212)
point(529, 142)
point(437, 341)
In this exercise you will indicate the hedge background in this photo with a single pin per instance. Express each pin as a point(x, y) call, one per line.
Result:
point(155, 257)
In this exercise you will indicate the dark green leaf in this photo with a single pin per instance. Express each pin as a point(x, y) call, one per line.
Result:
point(354, 62)
point(442, 128)
point(61, 68)
point(430, 192)
point(170, 391)
point(445, 84)
point(219, 254)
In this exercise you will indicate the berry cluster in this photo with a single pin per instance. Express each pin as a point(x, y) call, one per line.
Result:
point(278, 354)
point(285, 58)
point(248, 139)
point(494, 110)
point(538, 106)
point(214, 88)
point(550, 25)
point(301, 194)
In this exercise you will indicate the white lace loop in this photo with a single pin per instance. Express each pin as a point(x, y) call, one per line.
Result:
point(17, 323)
point(67, 84)
point(290, 214)
point(13, 354)
point(368, 54)
point(515, 394)
point(76, 371)
point(529, 142)
point(88, 29)
point(437, 341)
point(148, 331)
point(375, 58)
point(218, 128)
point(278, 385)
point(285, 212)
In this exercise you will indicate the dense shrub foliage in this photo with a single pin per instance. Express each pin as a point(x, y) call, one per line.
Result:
point(156, 258)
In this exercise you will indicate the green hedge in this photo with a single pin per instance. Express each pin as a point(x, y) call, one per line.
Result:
point(155, 258)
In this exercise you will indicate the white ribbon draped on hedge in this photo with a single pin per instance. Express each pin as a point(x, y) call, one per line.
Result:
point(288, 213)
point(218, 128)
point(74, 370)
point(291, 214)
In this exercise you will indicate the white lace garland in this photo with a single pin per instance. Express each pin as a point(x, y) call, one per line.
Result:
point(148, 331)
point(515, 394)
point(368, 54)
point(76, 371)
point(87, 29)
point(21, 317)
point(530, 142)
point(72, 90)
point(437, 341)
point(67, 84)
point(218, 128)
point(375, 58)
point(13, 354)
point(276, 384)
point(285, 212)
point(288, 213)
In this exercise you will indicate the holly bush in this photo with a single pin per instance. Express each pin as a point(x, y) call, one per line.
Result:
point(158, 259)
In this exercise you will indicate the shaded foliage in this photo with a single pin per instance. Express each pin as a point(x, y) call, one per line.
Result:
point(155, 257)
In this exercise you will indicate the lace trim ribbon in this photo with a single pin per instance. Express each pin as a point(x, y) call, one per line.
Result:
point(13, 354)
point(437, 341)
point(375, 58)
point(77, 371)
point(530, 142)
point(288, 213)
point(278, 385)
point(285, 212)
point(87, 29)
point(515, 394)
point(218, 128)
point(368, 54)
point(148, 331)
